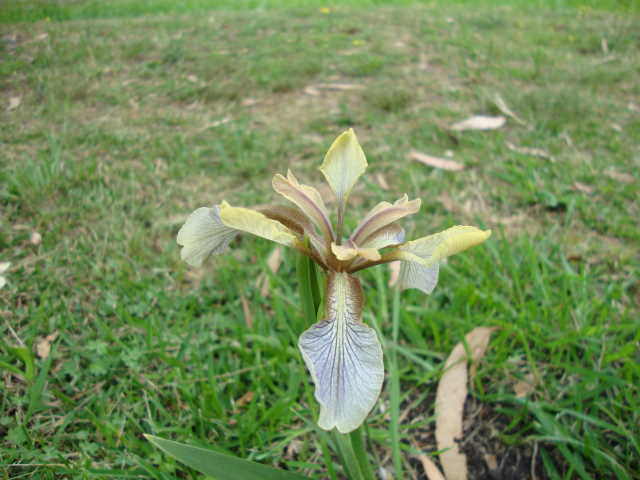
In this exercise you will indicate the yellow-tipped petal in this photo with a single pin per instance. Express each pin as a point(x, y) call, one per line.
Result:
point(257, 223)
point(420, 258)
point(349, 252)
point(343, 165)
point(343, 252)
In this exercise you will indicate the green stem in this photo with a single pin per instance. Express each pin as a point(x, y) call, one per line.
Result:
point(308, 288)
point(357, 442)
point(394, 380)
point(348, 457)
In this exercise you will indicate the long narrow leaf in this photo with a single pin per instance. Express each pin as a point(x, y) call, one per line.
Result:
point(219, 465)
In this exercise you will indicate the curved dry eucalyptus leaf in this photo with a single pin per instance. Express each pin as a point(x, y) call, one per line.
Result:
point(436, 162)
point(344, 358)
point(204, 234)
point(450, 398)
point(479, 122)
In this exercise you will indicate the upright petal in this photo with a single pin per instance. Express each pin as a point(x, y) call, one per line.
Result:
point(382, 215)
point(343, 165)
point(392, 234)
point(254, 222)
point(421, 257)
point(344, 358)
point(204, 234)
point(307, 199)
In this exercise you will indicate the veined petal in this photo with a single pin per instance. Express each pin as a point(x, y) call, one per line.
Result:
point(343, 164)
point(382, 215)
point(421, 257)
point(306, 198)
point(254, 222)
point(414, 275)
point(392, 234)
point(344, 358)
point(204, 234)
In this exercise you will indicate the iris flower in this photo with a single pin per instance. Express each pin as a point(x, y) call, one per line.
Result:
point(343, 355)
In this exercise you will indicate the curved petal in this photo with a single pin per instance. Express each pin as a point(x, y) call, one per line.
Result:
point(343, 164)
point(344, 358)
point(349, 252)
point(392, 234)
point(421, 257)
point(382, 215)
point(307, 199)
point(204, 234)
point(258, 224)
point(414, 275)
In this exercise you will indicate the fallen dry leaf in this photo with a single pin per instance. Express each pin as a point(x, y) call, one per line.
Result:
point(450, 398)
point(43, 347)
point(246, 311)
point(273, 262)
point(4, 266)
point(248, 102)
point(394, 272)
point(525, 386)
point(504, 108)
point(430, 468)
point(244, 399)
point(479, 122)
point(3, 281)
point(436, 162)
point(619, 176)
point(14, 102)
point(382, 181)
point(315, 89)
point(581, 187)
point(294, 447)
point(535, 152)
point(215, 123)
point(42, 36)
point(36, 238)
point(262, 283)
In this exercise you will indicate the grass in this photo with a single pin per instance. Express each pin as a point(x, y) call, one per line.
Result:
point(126, 125)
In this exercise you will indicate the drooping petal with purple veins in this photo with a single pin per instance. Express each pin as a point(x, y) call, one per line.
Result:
point(382, 215)
point(343, 164)
point(307, 199)
point(204, 234)
point(344, 357)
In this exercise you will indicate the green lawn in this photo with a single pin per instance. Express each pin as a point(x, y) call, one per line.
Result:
point(117, 123)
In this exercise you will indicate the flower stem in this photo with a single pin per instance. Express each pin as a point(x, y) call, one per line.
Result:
point(308, 288)
point(348, 457)
point(357, 442)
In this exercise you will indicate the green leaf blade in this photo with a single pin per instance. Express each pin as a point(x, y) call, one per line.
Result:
point(219, 465)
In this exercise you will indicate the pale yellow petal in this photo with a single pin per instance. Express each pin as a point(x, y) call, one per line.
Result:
point(420, 258)
point(343, 252)
point(258, 224)
point(344, 163)
point(431, 249)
